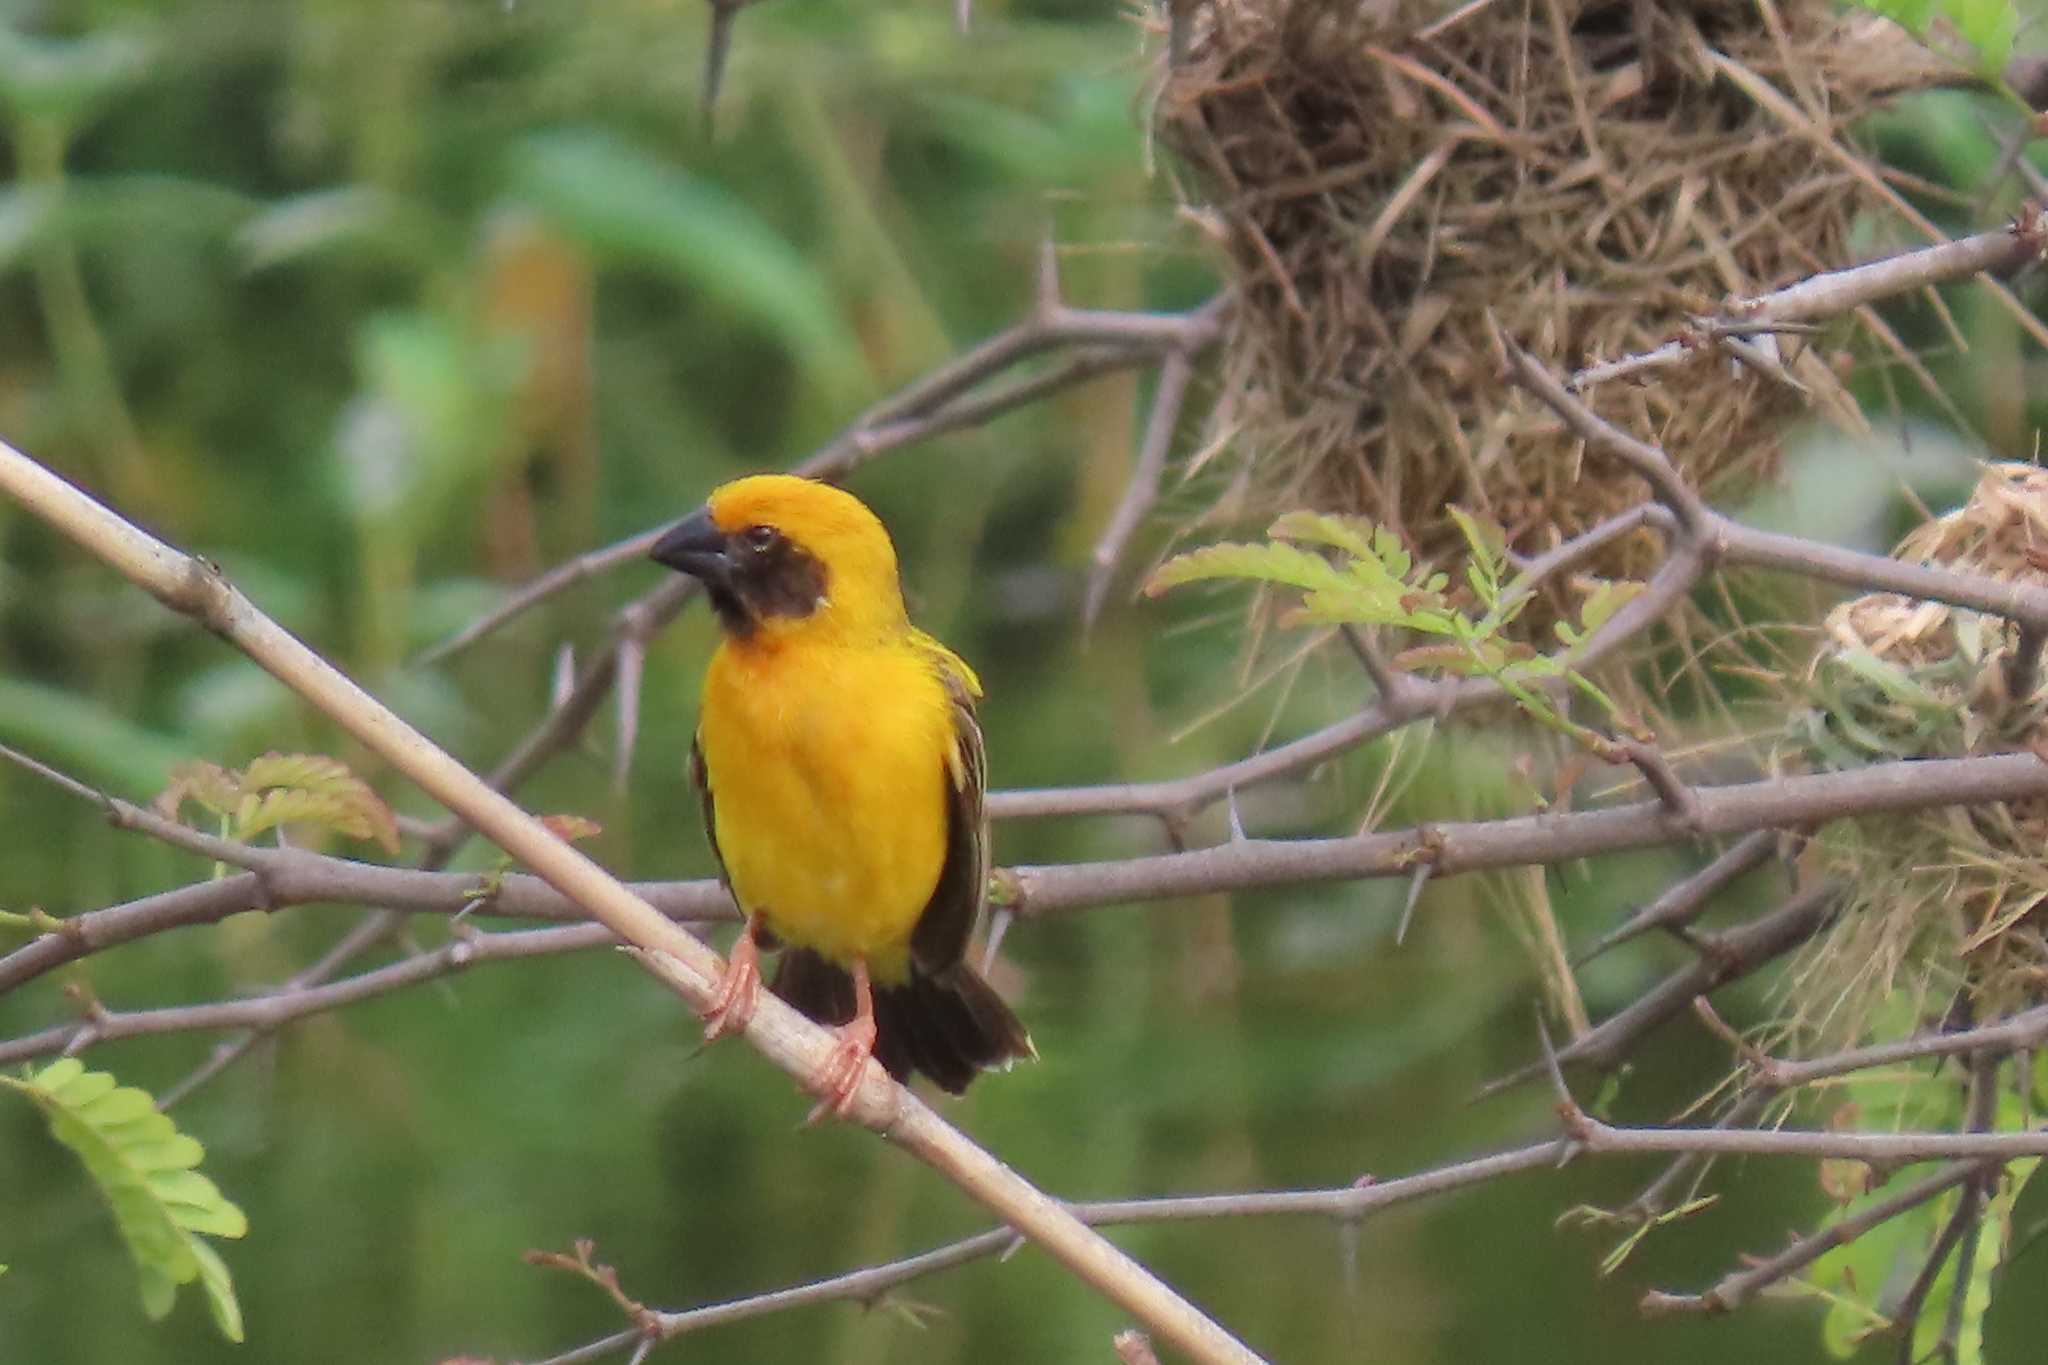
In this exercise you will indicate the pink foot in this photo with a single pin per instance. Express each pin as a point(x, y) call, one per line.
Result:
point(732, 1008)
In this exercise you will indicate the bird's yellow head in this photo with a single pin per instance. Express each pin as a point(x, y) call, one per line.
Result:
point(778, 553)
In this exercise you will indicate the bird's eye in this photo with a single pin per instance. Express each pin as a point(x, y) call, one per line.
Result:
point(761, 539)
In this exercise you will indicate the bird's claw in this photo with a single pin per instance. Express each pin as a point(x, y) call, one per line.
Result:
point(837, 1081)
point(732, 1009)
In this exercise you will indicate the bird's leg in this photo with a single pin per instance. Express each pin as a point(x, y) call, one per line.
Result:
point(740, 989)
point(838, 1080)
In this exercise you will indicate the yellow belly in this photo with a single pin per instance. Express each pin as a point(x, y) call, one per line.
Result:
point(828, 786)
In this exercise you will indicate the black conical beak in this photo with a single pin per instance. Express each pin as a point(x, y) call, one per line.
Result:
point(697, 547)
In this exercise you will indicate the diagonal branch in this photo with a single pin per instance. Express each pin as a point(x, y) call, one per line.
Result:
point(195, 588)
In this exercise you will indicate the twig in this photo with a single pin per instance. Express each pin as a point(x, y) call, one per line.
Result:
point(1520, 841)
point(1347, 1203)
point(2017, 1034)
point(1834, 293)
point(1650, 463)
point(1734, 1289)
point(1143, 488)
point(582, 569)
point(194, 588)
point(1727, 957)
point(1535, 568)
point(1837, 292)
point(267, 1011)
point(1683, 902)
point(922, 409)
point(1962, 1222)
point(1178, 801)
point(1672, 793)
point(293, 876)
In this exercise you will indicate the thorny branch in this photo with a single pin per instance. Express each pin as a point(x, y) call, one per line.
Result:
point(967, 391)
point(284, 877)
point(1581, 1135)
point(1835, 292)
point(195, 588)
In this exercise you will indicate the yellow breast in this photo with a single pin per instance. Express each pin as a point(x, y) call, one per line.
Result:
point(827, 770)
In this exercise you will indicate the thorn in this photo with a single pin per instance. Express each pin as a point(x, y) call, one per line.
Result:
point(1048, 301)
point(1417, 879)
point(1237, 834)
point(1134, 1347)
point(999, 922)
point(717, 48)
point(632, 665)
point(564, 681)
point(1576, 1124)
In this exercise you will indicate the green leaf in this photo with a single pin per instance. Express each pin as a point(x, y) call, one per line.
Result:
point(354, 219)
point(1488, 542)
point(146, 1170)
point(69, 79)
point(1889, 678)
point(1849, 1278)
point(219, 1286)
point(2016, 1319)
point(1354, 535)
point(1604, 601)
point(282, 789)
point(84, 737)
point(1274, 563)
point(631, 205)
point(211, 785)
point(1988, 25)
point(1912, 15)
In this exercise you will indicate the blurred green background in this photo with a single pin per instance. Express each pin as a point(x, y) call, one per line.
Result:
point(384, 304)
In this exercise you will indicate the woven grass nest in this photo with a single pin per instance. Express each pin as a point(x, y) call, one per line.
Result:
point(1390, 180)
point(1942, 904)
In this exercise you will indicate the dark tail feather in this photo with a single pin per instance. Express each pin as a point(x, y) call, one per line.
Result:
point(950, 1026)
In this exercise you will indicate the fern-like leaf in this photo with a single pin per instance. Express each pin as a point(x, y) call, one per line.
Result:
point(1278, 562)
point(279, 789)
point(1353, 535)
point(211, 785)
point(353, 809)
point(146, 1169)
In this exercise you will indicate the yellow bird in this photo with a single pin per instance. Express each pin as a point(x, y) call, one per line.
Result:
point(842, 773)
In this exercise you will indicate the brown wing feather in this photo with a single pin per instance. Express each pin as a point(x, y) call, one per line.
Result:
point(940, 938)
point(700, 778)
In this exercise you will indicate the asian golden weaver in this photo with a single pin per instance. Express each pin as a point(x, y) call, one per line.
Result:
point(842, 774)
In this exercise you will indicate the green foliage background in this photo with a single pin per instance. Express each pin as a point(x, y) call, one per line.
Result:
point(256, 261)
